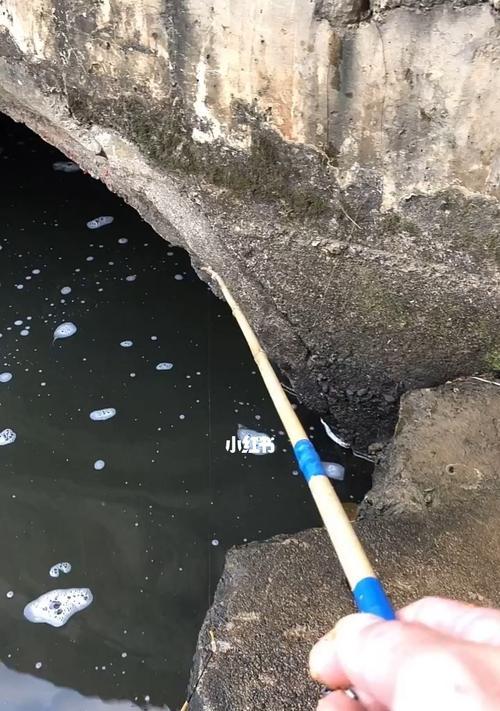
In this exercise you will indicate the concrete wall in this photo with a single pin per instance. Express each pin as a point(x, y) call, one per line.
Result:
point(338, 163)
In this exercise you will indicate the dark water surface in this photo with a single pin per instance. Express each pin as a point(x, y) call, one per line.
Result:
point(139, 533)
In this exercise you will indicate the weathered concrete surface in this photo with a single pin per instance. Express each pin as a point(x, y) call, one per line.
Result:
point(431, 527)
point(337, 162)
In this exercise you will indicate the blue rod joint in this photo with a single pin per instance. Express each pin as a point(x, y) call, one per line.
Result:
point(370, 597)
point(308, 459)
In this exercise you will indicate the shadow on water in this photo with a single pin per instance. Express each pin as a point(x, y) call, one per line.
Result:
point(148, 532)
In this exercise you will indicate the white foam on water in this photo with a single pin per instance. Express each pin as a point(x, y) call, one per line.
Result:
point(5, 377)
point(24, 332)
point(131, 277)
point(215, 542)
point(66, 166)
point(7, 436)
point(65, 330)
point(254, 442)
point(60, 568)
point(178, 277)
point(56, 607)
point(66, 290)
point(10, 594)
point(126, 344)
point(105, 414)
point(98, 222)
point(18, 323)
point(122, 240)
point(99, 464)
point(334, 470)
point(164, 366)
point(35, 271)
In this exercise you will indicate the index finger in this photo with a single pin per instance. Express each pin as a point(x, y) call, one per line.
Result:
point(462, 621)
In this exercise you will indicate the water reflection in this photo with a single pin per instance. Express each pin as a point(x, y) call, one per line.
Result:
point(23, 692)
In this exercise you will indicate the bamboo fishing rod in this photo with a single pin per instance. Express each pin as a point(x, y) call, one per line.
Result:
point(367, 590)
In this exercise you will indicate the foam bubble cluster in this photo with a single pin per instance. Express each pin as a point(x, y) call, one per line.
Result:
point(98, 222)
point(5, 377)
point(65, 166)
point(56, 607)
point(255, 442)
point(164, 366)
point(60, 568)
point(7, 436)
point(105, 414)
point(65, 330)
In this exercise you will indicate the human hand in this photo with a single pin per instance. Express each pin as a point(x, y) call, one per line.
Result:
point(439, 655)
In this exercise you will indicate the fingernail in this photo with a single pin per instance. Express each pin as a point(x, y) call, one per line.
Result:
point(320, 656)
point(354, 623)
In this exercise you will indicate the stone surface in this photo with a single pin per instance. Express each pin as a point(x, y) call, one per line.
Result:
point(430, 526)
point(338, 163)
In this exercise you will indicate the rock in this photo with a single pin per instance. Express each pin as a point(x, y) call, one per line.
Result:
point(318, 163)
point(429, 530)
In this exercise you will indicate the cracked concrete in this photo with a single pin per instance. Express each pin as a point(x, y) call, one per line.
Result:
point(339, 165)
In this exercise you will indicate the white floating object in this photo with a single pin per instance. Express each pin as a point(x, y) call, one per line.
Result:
point(18, 323)
point(10, 594)
point(178, 277)
point(60, 568)
point(7, 436)
point(56, 607)
point(38, 665)
point(5, 377)
point(131, 277)
point(66, 290)
point(164, 366)
point(215, 542)
point(334, 437)
point(65, 330)
point(98, 222)
point(334, 470)
point(255, 442)
point(105, 414)
point(99, 464)
point(122, 240)
point(66, 166)
point(24, 332)
point(126, 344)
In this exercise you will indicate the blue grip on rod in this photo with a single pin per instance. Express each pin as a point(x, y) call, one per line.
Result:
point(308, 459)
point(368, 593)
point(370, 597)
